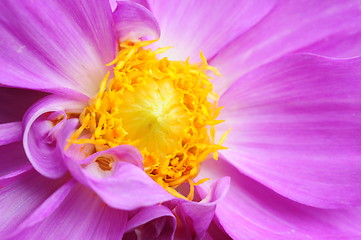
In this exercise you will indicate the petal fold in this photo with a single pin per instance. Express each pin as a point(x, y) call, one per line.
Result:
point(154, 222)
point(196, 217)
point(124, 185)
point(133, 21)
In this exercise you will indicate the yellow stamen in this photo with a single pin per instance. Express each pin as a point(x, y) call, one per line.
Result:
point(167, 109)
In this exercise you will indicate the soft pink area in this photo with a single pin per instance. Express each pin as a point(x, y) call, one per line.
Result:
point(295, 128)
point(291, 26)
point(204, 25)
point(82, 215)
point(252, 211)
point(57, 46)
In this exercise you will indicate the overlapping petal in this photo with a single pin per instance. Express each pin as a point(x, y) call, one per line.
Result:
point(292, 26)
point(125, 186)
point(133, 21)
point(19, 199)
point(55, 46)
point(13, 163)
point(155, 222)
point(252, 211)
point(196, 216)
point(204, 25)
point(83, 216)
point(295, 128)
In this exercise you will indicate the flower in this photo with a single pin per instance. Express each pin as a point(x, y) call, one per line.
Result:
point(289, 91)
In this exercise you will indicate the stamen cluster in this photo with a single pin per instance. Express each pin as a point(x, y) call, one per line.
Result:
point(167, 109)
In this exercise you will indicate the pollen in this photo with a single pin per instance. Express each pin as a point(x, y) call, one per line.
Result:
point(166, 109)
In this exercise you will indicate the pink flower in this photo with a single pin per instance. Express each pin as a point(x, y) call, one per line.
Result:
point(290, 91)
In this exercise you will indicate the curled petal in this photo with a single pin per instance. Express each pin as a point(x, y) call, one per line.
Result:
point(124, 185)
point(155, 222)
point(133, 21)
point(197, 216)
point(42, 123)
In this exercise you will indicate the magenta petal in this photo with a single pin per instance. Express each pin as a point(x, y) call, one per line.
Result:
point(295, 128)
point(14, 103)
point(291, 26)
point(10, 132)
point(20, 198)
point(46, 208)
point(194, 26)
point(40, 134)
point(252, 211)
point(55, 46)
point(215, 232)
point(197, 216)
point(125, 185)
point(13, 163)
point(133, 21)
point(340, 45)
point(82, 215)
point(154, 222)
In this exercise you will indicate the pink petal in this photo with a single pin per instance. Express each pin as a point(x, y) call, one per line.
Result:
point(252, 211)
point(14, 103)
point(204, 25)
point(133, 21)
point(10, 133)
point(154, 222)
point(82, 215)
point(290, 26)
point(57, 46)
point(13, 163)
point(295, 128)
point(19, 199)
point(40, 134)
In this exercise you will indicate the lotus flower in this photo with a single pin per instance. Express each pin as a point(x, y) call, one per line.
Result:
point(107, 134)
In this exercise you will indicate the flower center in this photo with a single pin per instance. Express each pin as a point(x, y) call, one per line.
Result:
point(166, 109)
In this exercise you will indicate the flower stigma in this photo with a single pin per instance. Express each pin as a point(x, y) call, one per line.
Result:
point(166, 109)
